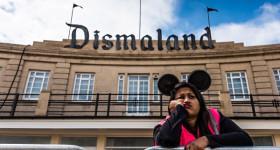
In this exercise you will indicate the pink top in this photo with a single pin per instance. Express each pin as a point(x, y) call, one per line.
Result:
point(187, 137)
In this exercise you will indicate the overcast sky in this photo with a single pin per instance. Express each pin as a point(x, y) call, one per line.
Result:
point(253, 22)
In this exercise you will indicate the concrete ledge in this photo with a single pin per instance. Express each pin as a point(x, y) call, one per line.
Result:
point(117, 124)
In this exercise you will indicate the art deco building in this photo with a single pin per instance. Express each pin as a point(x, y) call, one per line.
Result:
point(108, 99)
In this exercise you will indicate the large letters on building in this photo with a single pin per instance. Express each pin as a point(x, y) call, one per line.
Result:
point(169, 45)
point(73, 41)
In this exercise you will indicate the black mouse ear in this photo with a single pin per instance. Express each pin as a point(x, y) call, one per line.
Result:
point(200, 79)
point(166, 83)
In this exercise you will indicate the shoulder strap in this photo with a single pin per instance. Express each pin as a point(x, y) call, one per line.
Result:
point(214, 120)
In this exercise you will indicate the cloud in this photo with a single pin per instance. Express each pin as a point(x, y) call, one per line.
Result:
point(37, 20)
point(262, 30)
point(7, 7)
point(26, 21)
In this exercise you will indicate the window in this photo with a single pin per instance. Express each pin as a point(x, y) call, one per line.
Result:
point(184, 77)
point(88, 143)
point(0, 70)
point(36, 82)
point(262, 141)
point(138, 90)
point(131, 143)
point(84, 84)
point(121, 88)
point(25, 140)
point(277, 79)
point(155, 88)
point(237, 85)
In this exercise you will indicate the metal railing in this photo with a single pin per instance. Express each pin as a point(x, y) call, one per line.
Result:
point(99, 105)
point(102, 105)
point(256, 105)
point(16, 104)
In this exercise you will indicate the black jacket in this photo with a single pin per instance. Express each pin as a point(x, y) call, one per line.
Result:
point(169, 134)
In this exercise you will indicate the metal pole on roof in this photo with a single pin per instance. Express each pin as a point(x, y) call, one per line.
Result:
point(140, 21)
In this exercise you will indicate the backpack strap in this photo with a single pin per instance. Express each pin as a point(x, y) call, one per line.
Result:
point(214, 120)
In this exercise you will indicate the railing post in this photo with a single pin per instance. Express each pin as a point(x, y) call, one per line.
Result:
point(253, 105)
point(160, 105)
point(135, 102)
point(96, 104)
point(108, 106)
point(138, 104)
point(14, 105)
point(275, 103)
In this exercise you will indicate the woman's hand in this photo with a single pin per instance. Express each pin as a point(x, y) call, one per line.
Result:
point(174, 103)
point(198, 144)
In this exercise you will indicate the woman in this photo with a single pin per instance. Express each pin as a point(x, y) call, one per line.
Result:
point(192, 125)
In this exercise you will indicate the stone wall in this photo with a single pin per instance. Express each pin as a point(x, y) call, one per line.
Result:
point(63, 63)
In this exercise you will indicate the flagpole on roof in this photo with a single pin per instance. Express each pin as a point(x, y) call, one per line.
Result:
point(210, 9)
point(74, 5)
point(140, 21)
point(71, 21)
point(207, 16)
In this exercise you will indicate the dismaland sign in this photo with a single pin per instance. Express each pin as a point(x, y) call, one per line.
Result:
point(107, 44)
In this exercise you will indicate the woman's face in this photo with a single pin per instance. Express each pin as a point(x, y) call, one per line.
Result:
point(191, 103)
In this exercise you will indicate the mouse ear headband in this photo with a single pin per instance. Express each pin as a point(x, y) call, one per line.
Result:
point(199, 78)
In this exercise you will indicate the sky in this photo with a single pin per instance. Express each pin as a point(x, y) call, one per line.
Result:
point(252, 22)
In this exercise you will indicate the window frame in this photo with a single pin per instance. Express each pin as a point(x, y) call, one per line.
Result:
point(182, 77)
point(277, 88)
point(260, 136)
point(124, 146)
point(88, 89)
point(156, 76)
point(41, 88)
point(138, 90)
point(26, 139)
point(81, 137)
point(240, 77)
point(119, 79)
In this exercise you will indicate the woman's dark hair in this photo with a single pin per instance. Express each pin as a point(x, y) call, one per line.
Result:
point(203, 115)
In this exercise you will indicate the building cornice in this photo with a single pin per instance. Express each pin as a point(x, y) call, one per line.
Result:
point(222, 50)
